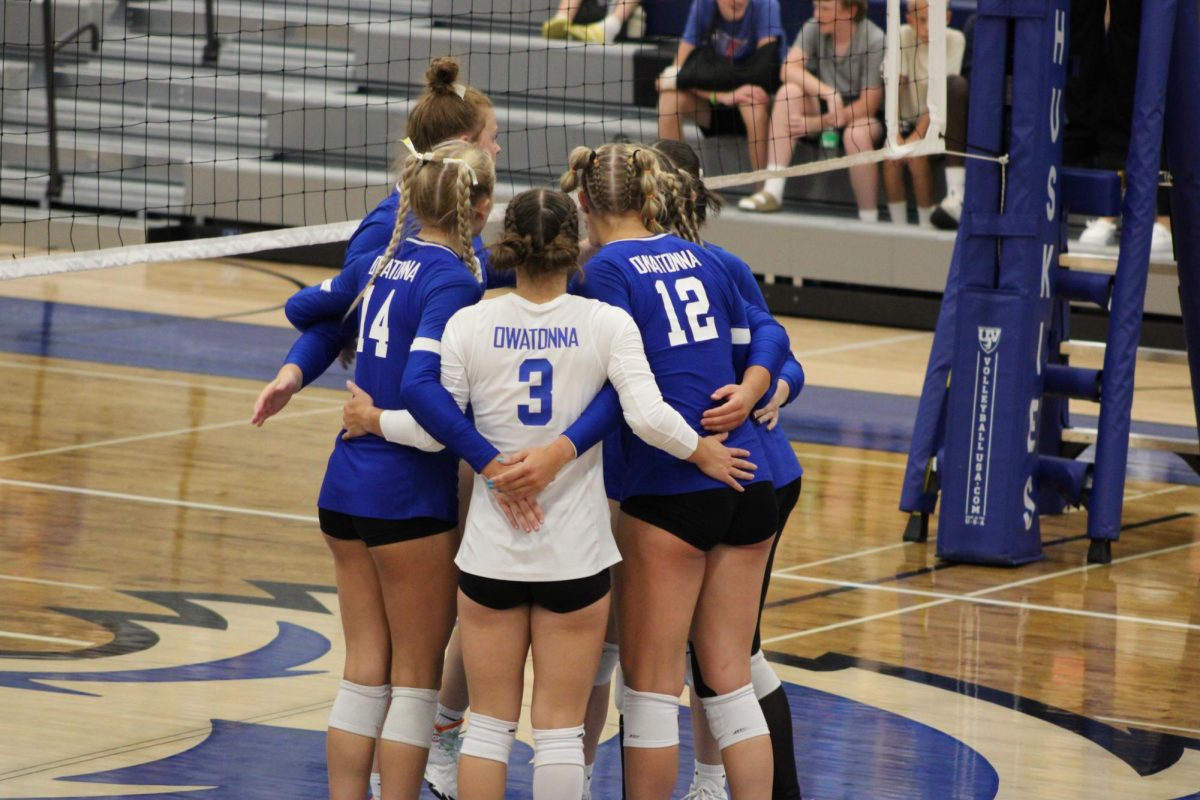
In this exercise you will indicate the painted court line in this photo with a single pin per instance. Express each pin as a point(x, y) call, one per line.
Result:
point(158, 501)
point(143, 437)
point(117, 376)
point(804, 454)
point(845, 348)
point(979, 593)
point(30, 637)
point(1155, 493)
point(45, 582)
point(833, 560)
point(1075, 612)
point(1137, 723)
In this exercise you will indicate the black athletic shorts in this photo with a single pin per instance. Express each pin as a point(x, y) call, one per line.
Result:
point(561, 597)
point(375, 532)
point(711, 517)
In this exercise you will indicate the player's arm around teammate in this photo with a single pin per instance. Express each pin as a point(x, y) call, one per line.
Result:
point(694, 552)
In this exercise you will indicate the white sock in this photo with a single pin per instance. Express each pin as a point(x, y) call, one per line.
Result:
point(923, 215)
point(612, 26)
point(898, 212)
point(376, 791)
point(712, 774)
point(956, 180)
point(447, 719)
point(774, 186)
point(868, 214)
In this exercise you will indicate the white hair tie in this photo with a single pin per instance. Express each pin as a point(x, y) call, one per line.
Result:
point(412, 149)
point(459, 90)
point(470, 169)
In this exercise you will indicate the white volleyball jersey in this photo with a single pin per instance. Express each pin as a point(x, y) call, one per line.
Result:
point(528, 371)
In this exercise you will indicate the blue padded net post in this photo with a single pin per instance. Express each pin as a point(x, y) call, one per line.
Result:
point(1129, 290)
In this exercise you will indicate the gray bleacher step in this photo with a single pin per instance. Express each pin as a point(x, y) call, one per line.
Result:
point(197, 87)
point(37, 228)
point(181, 126)
point(282, 193)
point(496, 59)
point(124, 190)
point(534, 137)
point(245, 56)
point(21, 20)
point(104, 152)
point(306, 24)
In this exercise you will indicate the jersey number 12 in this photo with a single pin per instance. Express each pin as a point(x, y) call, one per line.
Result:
point(690, 290)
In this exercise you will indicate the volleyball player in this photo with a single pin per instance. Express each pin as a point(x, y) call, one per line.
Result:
point(694, 552)
point(708, 777)
point(447, 110)
point(389, 513)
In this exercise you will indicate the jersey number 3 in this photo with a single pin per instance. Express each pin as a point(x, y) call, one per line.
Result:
point(690, 290)
point(542, 391)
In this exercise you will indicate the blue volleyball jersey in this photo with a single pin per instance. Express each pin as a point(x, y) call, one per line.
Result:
point(691, 319)
point(405, 310)
point(317, 311)
point(785, 467)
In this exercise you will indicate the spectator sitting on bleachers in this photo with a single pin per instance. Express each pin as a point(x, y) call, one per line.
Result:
point(724, 72)
point(591, 21)
point(914, 116)
point(832, 81)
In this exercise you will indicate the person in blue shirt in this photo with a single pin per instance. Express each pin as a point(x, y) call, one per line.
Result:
point(734, 29)
point(786, 473)
point(389, 513)
point(694, 551)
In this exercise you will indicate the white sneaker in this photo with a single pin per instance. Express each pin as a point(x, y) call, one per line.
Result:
point(947, 213)
point(1162, 244)
point(705, 791)
point(441, 770)
point(1100, 232)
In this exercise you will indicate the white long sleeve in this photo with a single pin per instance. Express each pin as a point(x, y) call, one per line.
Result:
point(642, 404)
point(399, 427)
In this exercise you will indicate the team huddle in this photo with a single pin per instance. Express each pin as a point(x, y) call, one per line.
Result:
point(587, 467)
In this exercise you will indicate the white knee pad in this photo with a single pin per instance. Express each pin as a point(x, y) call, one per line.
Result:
point(359, 709)
point(490, 738)
point(651, 720)
point(763, 676)
point(610, 656)
point(558, 746)
point(410, 719)
point(735, 717)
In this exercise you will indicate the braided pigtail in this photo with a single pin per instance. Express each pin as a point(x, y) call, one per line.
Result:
point(578, 165)
point(465, 214)
point(411, 165)
point(644, 184)
point(684, 198)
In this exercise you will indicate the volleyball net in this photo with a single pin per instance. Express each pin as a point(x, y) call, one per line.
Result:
point(155, 130)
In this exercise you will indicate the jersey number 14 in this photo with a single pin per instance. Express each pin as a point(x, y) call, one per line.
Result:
point(690, 291)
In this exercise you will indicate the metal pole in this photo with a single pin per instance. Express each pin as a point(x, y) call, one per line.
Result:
point(55, 185)
point(212, 45)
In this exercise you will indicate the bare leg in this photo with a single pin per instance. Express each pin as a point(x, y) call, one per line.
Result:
point(418, 578)
point(756, 115)
point(893, 181)
point(922, 178)
point(859, 137)
point(494, 647)
point(566, 655)
point(597, 710)
point(673, 108)
point(660, 580)
point(368, 653)
point(793, 115)
point(722, 634)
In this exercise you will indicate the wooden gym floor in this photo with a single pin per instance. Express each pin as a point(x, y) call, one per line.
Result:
point(168, 626)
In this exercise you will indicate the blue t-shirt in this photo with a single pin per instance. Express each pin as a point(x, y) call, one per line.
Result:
point(785, 467)
point(405, 310)
point(735, 40)
point(692, 320)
